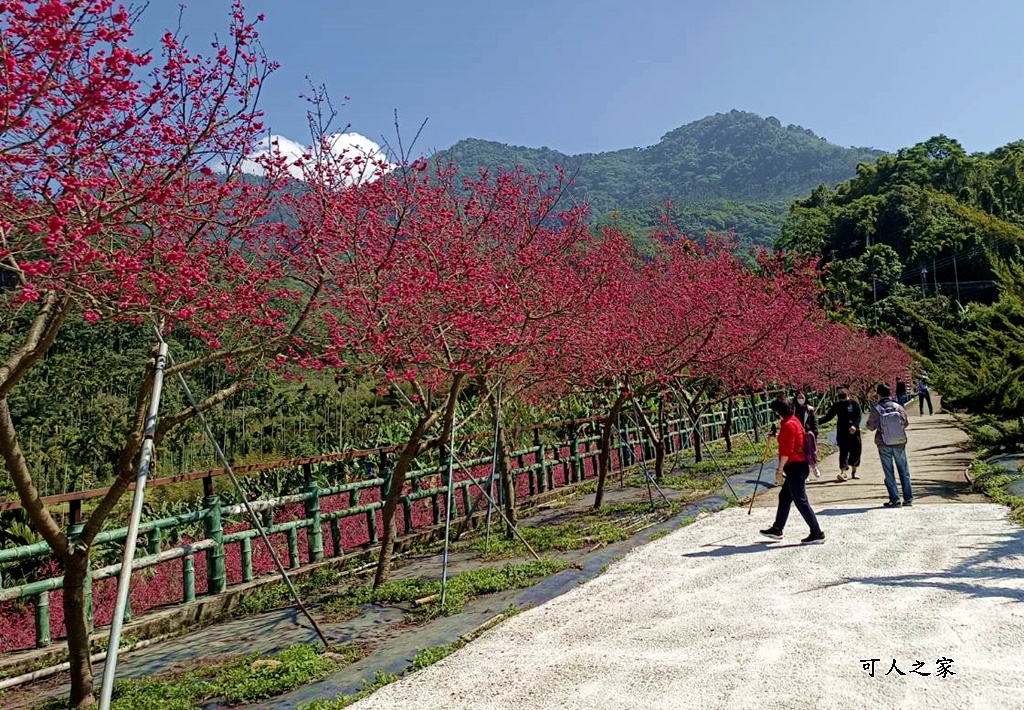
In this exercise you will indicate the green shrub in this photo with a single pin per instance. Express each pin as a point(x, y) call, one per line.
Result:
point(239, 681)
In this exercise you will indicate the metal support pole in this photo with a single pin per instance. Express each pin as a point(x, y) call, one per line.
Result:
point(721, 470)
point(643, 464)
point(515, 528)
point(760, 470)
point(449, 500)
point(695, 423)
point(124, 579)
point(253, 518)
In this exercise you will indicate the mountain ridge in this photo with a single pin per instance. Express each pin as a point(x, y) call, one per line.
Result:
point(733, 164)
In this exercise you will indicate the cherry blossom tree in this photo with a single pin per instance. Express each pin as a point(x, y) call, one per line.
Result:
point(434, 285)
point(691, 317)
point(121, 199)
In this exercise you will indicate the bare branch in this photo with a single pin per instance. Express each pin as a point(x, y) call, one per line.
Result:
point(17, 467)
point(38, 340)
point(168, 423)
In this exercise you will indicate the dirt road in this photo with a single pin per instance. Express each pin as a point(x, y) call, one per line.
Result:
point(937, 457)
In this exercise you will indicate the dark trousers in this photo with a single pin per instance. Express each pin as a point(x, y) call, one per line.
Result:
point(849, 449)
point(923, 397)
point(794, 491)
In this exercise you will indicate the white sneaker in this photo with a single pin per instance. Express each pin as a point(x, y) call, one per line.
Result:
point(817, 472)
point(841, 477)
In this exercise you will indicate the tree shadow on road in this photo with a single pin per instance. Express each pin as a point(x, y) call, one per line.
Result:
point(985, 575)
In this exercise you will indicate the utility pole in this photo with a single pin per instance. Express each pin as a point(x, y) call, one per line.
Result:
point(935, 276)
point(874, 282)
point(924, 276)
point(956, 277)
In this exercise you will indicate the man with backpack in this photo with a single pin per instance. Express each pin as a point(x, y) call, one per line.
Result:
point(888, 419)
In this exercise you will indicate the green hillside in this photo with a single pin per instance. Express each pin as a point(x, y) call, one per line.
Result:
point(732, 170)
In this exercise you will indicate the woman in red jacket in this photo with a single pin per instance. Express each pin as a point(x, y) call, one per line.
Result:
point(792, 465)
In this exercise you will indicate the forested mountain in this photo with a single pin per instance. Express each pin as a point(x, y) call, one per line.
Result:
point(929, 244)
point(732, 170)
point(923, 222)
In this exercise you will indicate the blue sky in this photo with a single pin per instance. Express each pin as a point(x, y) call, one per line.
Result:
point(593, 75)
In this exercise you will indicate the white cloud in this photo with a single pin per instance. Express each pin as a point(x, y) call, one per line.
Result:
point(357, 157)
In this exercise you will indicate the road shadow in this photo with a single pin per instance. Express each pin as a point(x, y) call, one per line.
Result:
point(984, 575)
point(726, 550)
point(941, 447)
point(844, 511)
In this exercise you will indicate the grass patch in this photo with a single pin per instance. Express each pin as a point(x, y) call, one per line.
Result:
point(685, 481)
point(660, 534)
point(298, 665)
point(992, 481)
point(595, 527)
point(237, 682)
point(461, 588)
point(626, 510)
point(570, 535)
point(278, 594)
point(706, 475)
point(430, 656)
point(588, 487)
point(378, 682)
point(741, 457)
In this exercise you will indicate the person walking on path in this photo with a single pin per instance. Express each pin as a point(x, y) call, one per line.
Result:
point(791, 475)
point(847, 414)
point(805, 413)
point(888, 419)
point(923, 395)
point(901, 391)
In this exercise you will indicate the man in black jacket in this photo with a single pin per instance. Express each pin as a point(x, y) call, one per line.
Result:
point(847, 414)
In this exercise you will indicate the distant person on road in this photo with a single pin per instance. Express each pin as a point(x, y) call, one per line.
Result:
point(791, 474)
point(847, 414)
point(888, 419)
point(804, 411)
point(901, 391)
point(923, 395)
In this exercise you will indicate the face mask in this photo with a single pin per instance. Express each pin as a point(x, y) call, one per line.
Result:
point(801, 401)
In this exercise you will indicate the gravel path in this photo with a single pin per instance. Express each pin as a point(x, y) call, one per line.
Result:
point(711, 616)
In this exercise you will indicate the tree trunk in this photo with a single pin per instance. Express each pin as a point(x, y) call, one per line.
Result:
point(75, 569)
point(728, 425)
point(396, 483)
point(413, 447)
point(507, 484)
point(656, 433)
point(604, 458)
